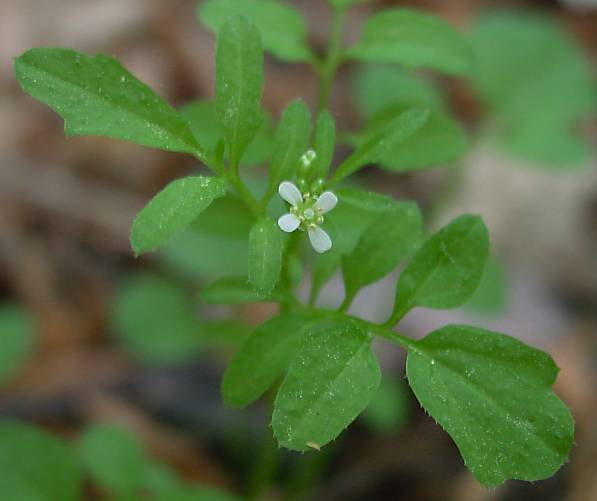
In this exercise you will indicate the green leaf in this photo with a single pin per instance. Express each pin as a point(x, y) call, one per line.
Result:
point(441, 140)
point(325, 142)
point(329, 383)
point(346, 3)
point(36, 466)
point(263, 357)
point(95, 95)
point(365, 200)
point(415, 40)
point(16, 336)
point(233, 290)
point(353, 219)
point(154, 318)
point(202, 118)
point(239, 83)
point(389, 410)
point(396, 131)
point(291, 141)
point(114, 458)
point(385, 92)
point(266, 244)
point(445, 272)
point(172, 210)
point(390, 239)
point(376, 87)
point(493, 395)
point(282, 28)
point(534, 78)
point(215, 244)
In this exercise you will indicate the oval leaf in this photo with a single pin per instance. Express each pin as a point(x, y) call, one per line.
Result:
point(97, 96)
point(154, 319)
point(330, 382)
point(239, 83)
point(447, 269)
point(291, 141)
point(114, 458)
point(172, 210)
point(282, 28)
point(233, 290)
point(415, 40)
point(325, 142)
point(383, 245)
point(493, 395)
point(35, 465)
point(266, 244)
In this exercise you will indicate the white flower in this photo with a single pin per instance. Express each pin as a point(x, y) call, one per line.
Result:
point(306, 213)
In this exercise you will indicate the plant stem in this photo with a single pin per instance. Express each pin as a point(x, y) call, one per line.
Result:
point(347, 301)
point(236, 182)
point(332, 59)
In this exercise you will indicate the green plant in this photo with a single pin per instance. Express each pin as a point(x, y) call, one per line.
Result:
point(490, 392)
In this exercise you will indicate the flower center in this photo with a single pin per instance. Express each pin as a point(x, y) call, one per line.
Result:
point(306, 211)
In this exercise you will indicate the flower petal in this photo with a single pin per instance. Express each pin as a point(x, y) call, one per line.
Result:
point(289, 192)
point(320, 240)
point(289, 223)
point(326, 202)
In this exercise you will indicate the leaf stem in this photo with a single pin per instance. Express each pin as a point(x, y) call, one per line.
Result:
point(348, 298)
point(333, 58)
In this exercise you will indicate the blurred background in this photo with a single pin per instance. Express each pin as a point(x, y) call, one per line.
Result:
point(110, 353)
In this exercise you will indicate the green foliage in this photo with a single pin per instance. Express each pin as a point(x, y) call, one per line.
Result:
point(239, 83)
point(114, 459)
point(325, 141)
point(16, 336)
point(490, 392)
point(383, 141)
point(382, 246)
point(291, 141)
point(447, 269)
point(282, 28)
point(172, 210)
point(264, 356)
point(233, 290)
point(329, 383)
point(535, 79)
point(95, 95)
point(154, 319)
point(266, 244)
point(215, 244)
point(382, 93)
point(493, 395)
point(414, 40)
point(202, 118)
point(36, 466)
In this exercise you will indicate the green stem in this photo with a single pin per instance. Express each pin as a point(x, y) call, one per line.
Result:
point(332, 59)
point(347, 301)
point(236, 182)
